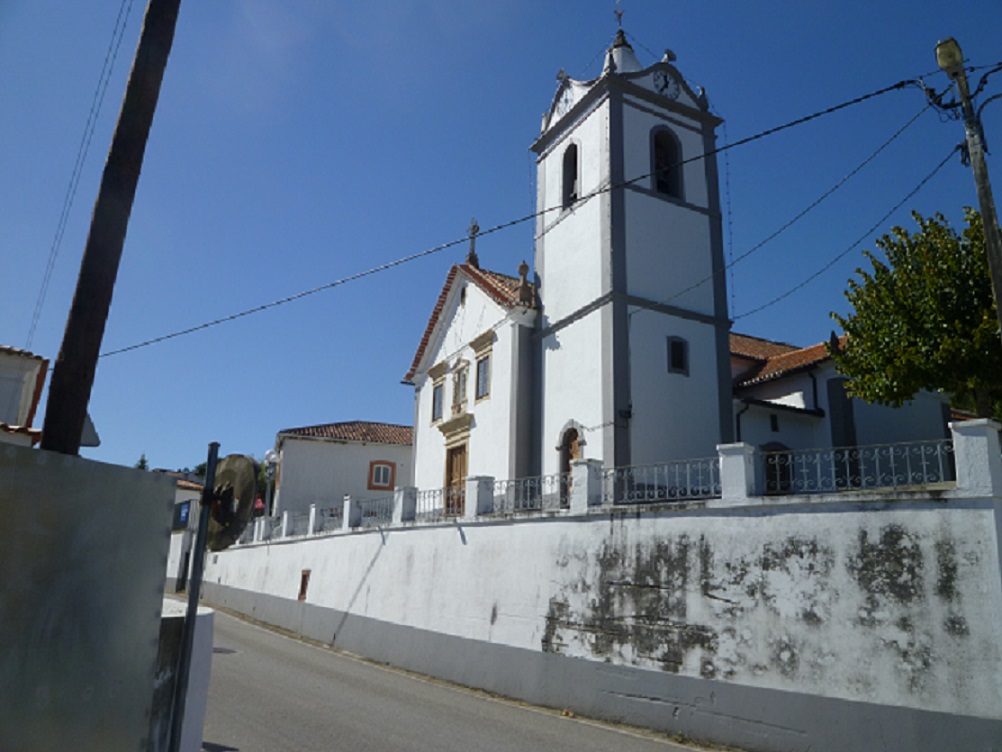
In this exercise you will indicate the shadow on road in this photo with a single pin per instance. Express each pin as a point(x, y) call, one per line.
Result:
point(210, 747)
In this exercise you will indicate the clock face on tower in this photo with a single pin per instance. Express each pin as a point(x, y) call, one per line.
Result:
point(666, 84)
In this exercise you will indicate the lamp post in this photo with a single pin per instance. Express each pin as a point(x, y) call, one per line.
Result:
point(951, 60)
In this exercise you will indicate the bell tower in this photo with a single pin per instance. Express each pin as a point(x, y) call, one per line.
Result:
point(634, 332)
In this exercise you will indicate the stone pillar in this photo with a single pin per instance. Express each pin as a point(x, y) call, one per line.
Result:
point(586, 485)
point(351, 516)
point(479, 496)
point(258, 529)
point(285, 524)
point(739, 475)
point(978, 457)
point(311, 528)
point(404, 504)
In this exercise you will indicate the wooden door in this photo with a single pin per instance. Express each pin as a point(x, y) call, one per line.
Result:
point(455, 480)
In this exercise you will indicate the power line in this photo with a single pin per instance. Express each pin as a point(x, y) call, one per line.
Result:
point(800, 215)
point(496, 228)
point(862, 238)
point(104, 78)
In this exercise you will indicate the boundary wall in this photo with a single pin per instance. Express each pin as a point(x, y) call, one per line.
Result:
point(864, 621)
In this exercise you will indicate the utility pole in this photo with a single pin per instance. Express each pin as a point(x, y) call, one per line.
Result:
point(73, 374)
point(951, 60)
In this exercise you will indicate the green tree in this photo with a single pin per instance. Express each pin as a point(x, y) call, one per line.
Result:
point(141, 463)
point(924, 318)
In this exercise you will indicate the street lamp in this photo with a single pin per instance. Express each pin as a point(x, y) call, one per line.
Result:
point(951, 60)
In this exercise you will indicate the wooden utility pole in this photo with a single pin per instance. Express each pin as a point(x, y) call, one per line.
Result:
point(73, 374)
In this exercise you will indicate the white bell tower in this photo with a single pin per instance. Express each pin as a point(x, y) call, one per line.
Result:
point(634, 361)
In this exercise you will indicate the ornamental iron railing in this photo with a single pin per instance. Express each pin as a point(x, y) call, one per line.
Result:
point(438, 503)
point(376, 512)
point(543, 493)
point(680, 480)
point(811, 471)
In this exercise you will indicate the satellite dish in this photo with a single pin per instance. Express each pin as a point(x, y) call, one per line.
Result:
point(233, 502)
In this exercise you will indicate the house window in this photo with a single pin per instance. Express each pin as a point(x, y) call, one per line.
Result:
point(437, 399)
point(678, 356)
point(570, 177)
point(667, 167)
point(774, 422)
point(483, 376)
point(459, 378)
point(381, 475)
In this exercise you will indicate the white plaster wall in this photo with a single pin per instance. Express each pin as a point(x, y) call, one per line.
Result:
point(570, 254)
point(890, 603)
point(674, 416)
point(321, 472)
point(573, 387)
point(17, 387)
point(922, 418)
point(490, 432)
point(795, 431)
point(668, 251)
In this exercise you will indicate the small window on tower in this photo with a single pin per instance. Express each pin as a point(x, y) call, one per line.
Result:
point(678, 356)
point(570, 186)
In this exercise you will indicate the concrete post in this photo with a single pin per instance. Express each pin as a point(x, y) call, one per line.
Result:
point(404, 504)
point(586, 485)
point(311, 528)
point(978, 457)
point(351, 516)
point(285, 524)
point(739, 475)
point(258, 529)
point(479, 496)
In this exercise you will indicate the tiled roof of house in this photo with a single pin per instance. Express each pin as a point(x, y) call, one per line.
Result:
point(35, 434)
point(756, 348)
point(787, 363)
point(8, 350)
point(501, 288)
point(357, 430)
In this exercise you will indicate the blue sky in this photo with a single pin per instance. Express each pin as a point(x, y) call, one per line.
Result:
point(297, 143)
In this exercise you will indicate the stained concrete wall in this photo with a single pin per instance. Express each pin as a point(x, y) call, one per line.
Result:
point(875, 610)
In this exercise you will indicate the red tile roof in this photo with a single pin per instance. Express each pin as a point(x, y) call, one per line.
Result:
point(8, 350)
point(34, 434)
point(357, 430)
point(501, 288)
point(787, 363)
point(756, 348)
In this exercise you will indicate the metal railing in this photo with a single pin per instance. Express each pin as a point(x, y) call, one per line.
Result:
point(299, 524)
point(809, 471)
point(330, 519)
point(438, 503)
point(376, 512)
point(543, 493)
point(680, 480)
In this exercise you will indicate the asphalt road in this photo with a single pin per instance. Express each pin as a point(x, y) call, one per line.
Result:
point(270, 693)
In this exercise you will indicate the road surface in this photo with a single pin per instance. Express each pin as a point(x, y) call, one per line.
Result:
point(271, 693)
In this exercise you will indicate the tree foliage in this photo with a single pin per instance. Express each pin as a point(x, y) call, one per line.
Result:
point(924, 318)
point(142, 463)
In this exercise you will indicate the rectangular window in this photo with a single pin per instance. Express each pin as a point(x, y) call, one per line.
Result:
point(437, 399)
point(483, 377)
point(459, 379)
point(678, 356)
point(381, 475)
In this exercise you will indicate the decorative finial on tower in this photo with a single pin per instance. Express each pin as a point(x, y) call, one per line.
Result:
point(524, 291)
point(562, 75)
point(669, 56)
point(619, 15)
point(471, 257)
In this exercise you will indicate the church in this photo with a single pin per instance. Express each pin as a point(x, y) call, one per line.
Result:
point(619, 348)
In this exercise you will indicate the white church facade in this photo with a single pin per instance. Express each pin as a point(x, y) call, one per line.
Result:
point(619, 349)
